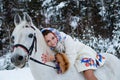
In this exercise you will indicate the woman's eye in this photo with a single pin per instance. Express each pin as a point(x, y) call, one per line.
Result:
point(53, 38)
point(30, 35)
point(48, 41)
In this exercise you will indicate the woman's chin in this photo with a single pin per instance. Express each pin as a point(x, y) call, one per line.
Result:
point(54, 46)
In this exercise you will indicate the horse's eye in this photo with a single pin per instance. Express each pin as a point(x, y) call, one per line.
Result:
point(12, 39)
point(26, 26)
point(30, 35)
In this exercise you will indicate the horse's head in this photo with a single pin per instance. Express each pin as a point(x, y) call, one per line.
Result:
point(24, 40)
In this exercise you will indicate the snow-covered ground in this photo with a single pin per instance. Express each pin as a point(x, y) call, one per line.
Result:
point(13, 74)
point(16, 74)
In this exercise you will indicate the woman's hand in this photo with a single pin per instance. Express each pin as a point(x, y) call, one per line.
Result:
point(47, 57)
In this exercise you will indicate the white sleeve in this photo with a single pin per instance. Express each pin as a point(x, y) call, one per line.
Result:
point(69, 45)
point(72, 46)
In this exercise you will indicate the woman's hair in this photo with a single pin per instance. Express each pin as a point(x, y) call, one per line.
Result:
point(45, 32)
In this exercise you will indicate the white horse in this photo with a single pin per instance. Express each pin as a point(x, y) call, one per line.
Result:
point(29, 44)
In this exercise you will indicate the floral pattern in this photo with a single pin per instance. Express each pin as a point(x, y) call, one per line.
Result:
point(91, 62)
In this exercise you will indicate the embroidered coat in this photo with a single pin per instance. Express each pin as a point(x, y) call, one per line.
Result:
point(83, 56)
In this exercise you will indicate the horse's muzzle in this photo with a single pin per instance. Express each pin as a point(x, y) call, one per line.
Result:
point(18, 60)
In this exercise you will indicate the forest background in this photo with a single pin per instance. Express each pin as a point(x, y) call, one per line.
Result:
point(94, 22)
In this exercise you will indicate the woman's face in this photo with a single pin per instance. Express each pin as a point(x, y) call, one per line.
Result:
point(51, 40)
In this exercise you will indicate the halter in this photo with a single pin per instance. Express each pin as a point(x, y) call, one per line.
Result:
point(30, 50)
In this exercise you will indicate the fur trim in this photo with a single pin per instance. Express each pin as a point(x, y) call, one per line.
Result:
point(63, 61)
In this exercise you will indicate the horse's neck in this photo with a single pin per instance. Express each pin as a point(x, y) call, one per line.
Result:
point(41, 46)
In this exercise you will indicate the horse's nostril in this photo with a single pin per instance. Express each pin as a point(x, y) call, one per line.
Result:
point(20, 58)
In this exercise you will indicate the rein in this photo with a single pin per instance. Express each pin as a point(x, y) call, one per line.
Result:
point(30, 50)
point(42, 63)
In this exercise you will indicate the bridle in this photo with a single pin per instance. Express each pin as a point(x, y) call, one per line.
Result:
point(30, 50)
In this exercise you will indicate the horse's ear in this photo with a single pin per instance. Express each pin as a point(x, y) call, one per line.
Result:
point(17, 19)
point(27, 18)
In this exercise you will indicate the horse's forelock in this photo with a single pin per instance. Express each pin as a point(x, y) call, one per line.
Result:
point(18, 28)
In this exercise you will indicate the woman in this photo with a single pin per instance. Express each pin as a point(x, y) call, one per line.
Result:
point(87, 60)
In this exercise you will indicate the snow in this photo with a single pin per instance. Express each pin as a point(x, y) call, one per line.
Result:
point(61, 5)
point(74, 22)
point(46, 2)
point(16, 74)
point(13, 74)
